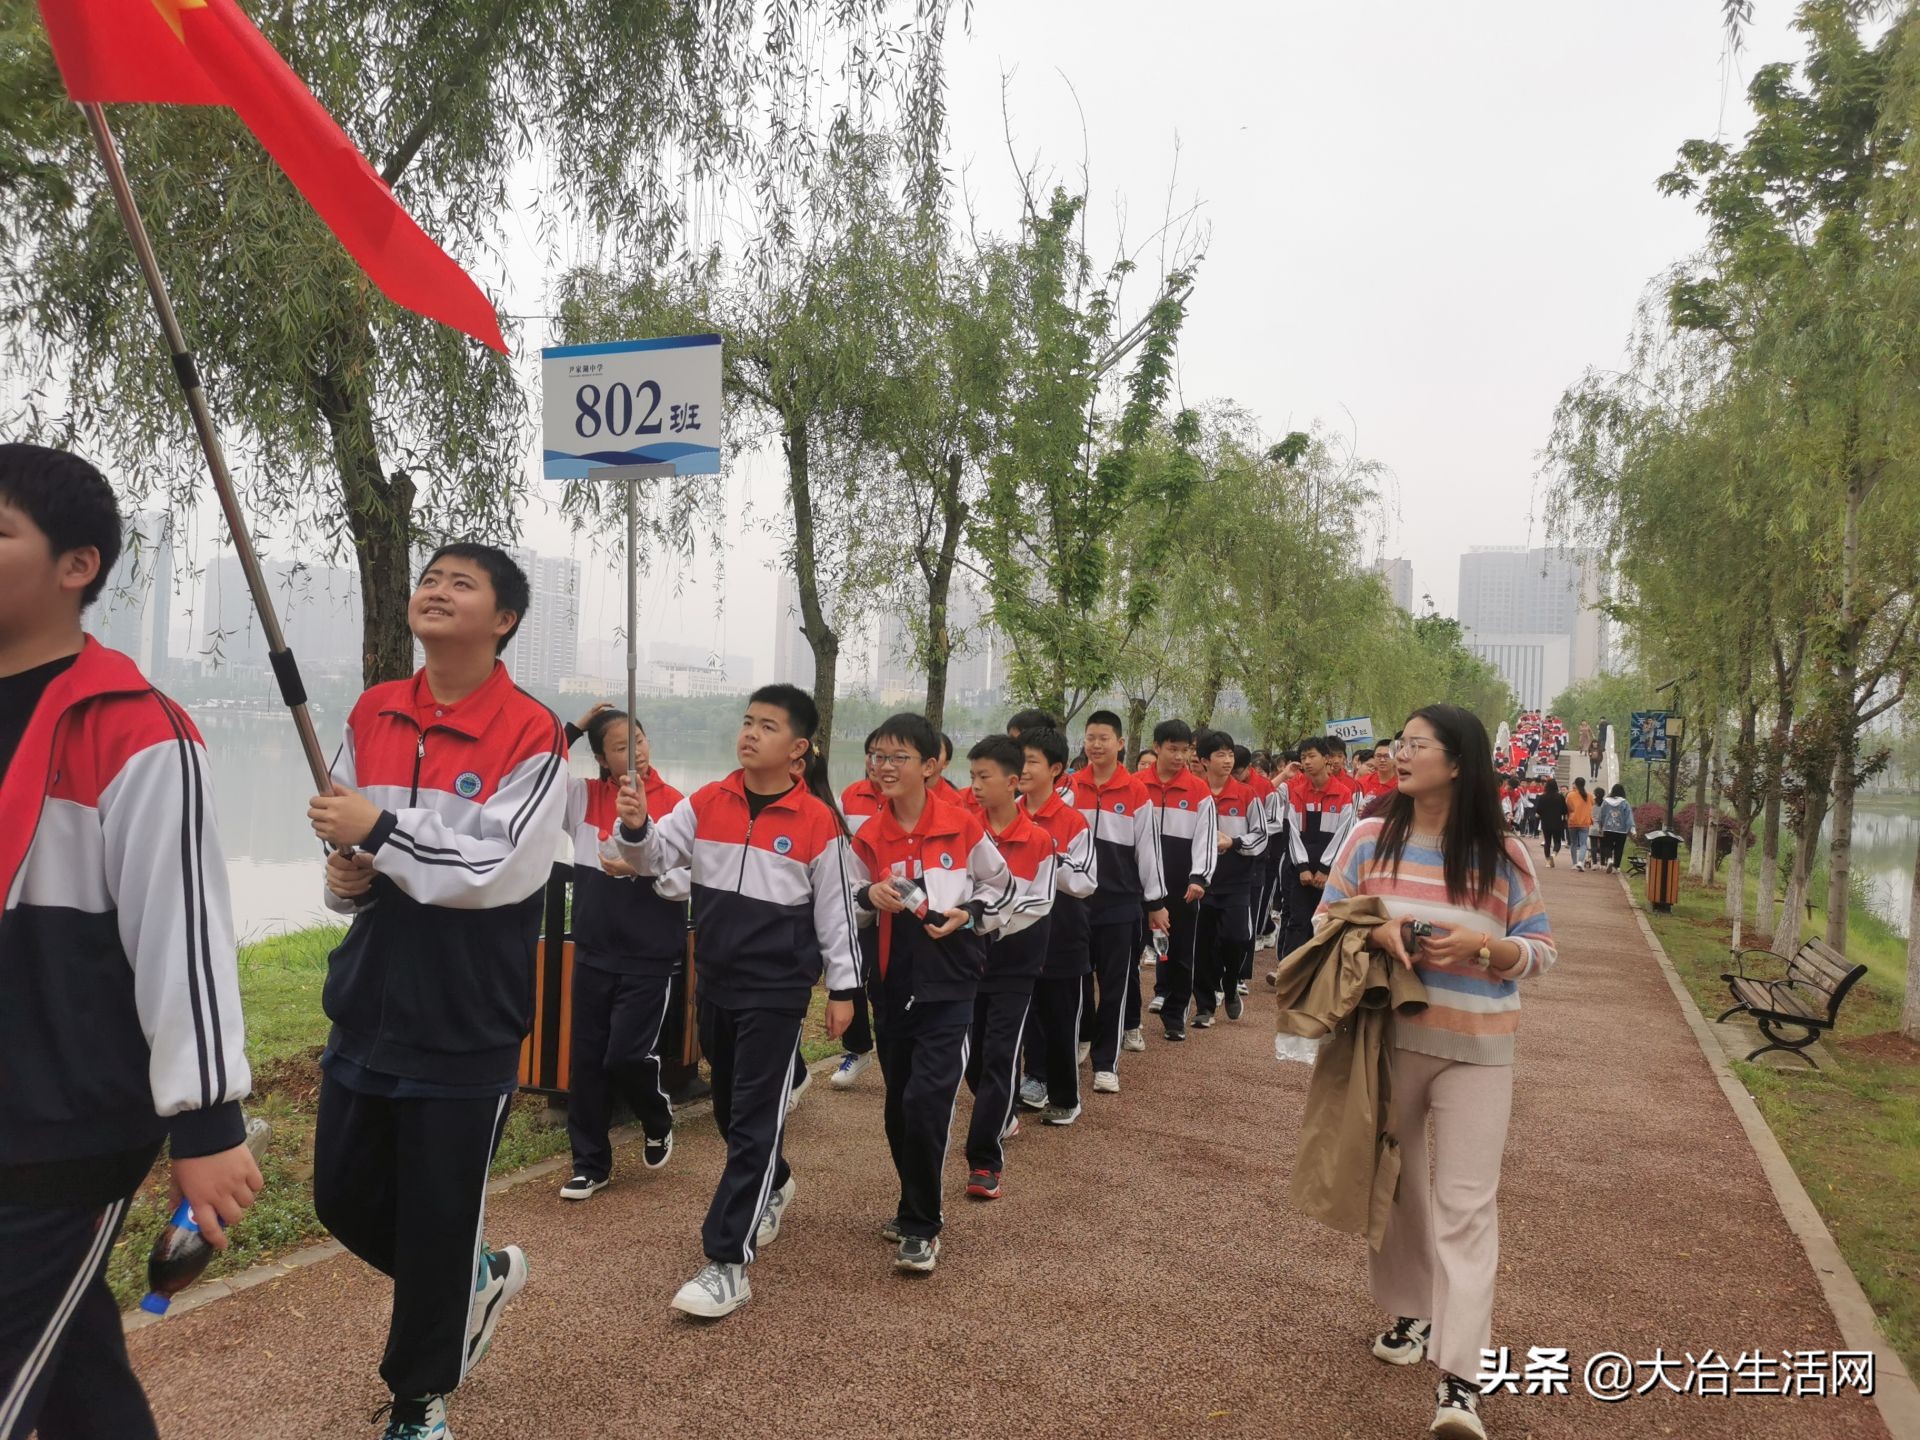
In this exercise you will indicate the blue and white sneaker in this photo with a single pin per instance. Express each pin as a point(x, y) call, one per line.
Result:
point(421, 1419)
point(502, 1274)
point(768, 1230)
point(850, 1069)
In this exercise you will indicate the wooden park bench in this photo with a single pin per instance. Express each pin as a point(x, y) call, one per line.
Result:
point(1792, 1010)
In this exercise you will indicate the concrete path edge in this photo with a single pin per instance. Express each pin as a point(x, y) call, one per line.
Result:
point(1894, 1390)
point(208, 1291)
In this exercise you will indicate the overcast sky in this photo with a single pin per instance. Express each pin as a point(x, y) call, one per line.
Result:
point(1425, 221)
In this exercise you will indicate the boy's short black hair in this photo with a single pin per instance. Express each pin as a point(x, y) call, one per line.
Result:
point(1003, 750)
point(1317, 743)
point(1028, 721)
point(872, 735)
point(1175, 731)
point(1242, 757)
point(510, 588)
point(946, 747)
point(1290, 757)
point(70, 502)
point(1333, 745)
point(1365, 752)
point(1209, 743)
point(1107, 718)
point(911, 729)
point(803, 716)
point(1051, 744)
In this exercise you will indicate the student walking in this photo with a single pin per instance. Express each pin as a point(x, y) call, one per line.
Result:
point(859, 803)
point(1114, 803)
point(1551, 808)
point(1183, 814)
point(1440, 853)
point(119, 1000)
point(937, 884)
point(1016, 953)
point(1616, 825)
point(1053, 1069)
point(772, 903)
point(629, 942)
point(1226, 913)
point(1579, 821)
point(1317, 802)
point(448, 804)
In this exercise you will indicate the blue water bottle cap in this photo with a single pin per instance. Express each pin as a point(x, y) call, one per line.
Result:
point(155, 1304)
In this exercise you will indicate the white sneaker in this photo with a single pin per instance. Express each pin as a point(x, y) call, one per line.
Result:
point(1456, 1414)
point(1404, 1342)
point(850, 1069)
point(1061, 1114)
point(805, 1083)
point(422, 1419)
point(719, 1289)
point(581, 1187)
point(501, 1275)
point(1106, 1082)
point(1033, 1094)
point(769, 1228)
point(1156, 1005)
point(1134, 1040)
point(1086, 1049)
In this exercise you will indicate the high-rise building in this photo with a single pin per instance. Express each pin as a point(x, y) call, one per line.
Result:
point(1534, 614)
point(1397, 575)
point(135, 608)
point(792, 657)
point(541, 654)
point(970, 672)
point(318, 606)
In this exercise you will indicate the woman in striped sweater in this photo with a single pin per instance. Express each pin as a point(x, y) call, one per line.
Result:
point(1439, 852)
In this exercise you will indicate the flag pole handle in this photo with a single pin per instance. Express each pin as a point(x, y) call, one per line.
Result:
point(285, 670)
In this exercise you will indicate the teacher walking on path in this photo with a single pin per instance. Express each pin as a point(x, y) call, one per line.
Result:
point(1440, 853)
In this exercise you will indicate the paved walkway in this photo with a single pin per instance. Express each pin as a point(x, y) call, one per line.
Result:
point(1144, 1276)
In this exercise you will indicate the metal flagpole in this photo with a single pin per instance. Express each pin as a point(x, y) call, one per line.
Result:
point(284, 668)
point(631, 476)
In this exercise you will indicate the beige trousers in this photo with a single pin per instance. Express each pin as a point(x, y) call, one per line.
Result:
point(1442, 1246)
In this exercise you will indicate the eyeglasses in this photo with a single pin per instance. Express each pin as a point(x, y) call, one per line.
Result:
point(1415, 746)
point(892, 762)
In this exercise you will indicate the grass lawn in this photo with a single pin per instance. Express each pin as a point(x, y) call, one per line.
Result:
point(1851, 1130)
point(280, 980)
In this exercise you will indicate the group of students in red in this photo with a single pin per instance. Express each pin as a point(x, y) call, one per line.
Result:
point(988, 936)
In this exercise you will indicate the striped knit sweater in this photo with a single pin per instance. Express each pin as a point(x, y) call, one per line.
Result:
point(1470, 1015)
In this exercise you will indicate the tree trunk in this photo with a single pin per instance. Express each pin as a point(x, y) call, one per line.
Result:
point(379, 511)
point(1137, 721)
point(1846, 675)
point(1742, 799)
point(1207, 699)
point(1774, 774)
point(1713, 817)
point(1786, 935)
point(1910, 1011)
point(1697, 832)
point(821, 637)
point(939, 587)
point(1840, 852)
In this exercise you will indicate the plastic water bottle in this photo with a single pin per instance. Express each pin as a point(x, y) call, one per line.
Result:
point(181, 1253)
point(911, 895)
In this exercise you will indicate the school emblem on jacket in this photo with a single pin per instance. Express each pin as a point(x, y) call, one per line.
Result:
point(1183, 804)
point(467, 785)
point(1233, 810)
point(1119, 807)
point(782, 844)
point(946, 861)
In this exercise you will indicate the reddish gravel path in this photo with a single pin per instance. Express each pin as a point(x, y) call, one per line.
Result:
point(1143, 1277)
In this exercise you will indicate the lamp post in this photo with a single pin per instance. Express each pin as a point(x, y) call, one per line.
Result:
point(1676, 733)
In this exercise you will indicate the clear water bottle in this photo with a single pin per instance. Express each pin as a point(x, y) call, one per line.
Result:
point(181, 1253)
point(911, 895)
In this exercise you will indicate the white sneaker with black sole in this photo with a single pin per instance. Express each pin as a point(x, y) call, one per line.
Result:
point(1456, 1414)
point(719, 1289)
point(1404, 1342)
point(582, 1187)
point(502, 1274)
point(1135, 1040)
point(656, 1153)
point(770, 1218)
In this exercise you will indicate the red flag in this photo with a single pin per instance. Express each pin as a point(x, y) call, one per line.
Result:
point(206, 52)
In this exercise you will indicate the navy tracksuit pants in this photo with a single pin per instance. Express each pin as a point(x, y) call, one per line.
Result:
point(617, 1021)
point(753, 1055)
point(1116, 969)
point(1053, 1037)
point(922, 1047)
point(63, 1361)
point(1000, 1019)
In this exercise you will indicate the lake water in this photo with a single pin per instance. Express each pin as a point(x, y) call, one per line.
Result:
point(262, 787)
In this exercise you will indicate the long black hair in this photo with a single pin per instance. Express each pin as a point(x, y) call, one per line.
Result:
point(804, 716)
point(1475, 840)
point(597, 729)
